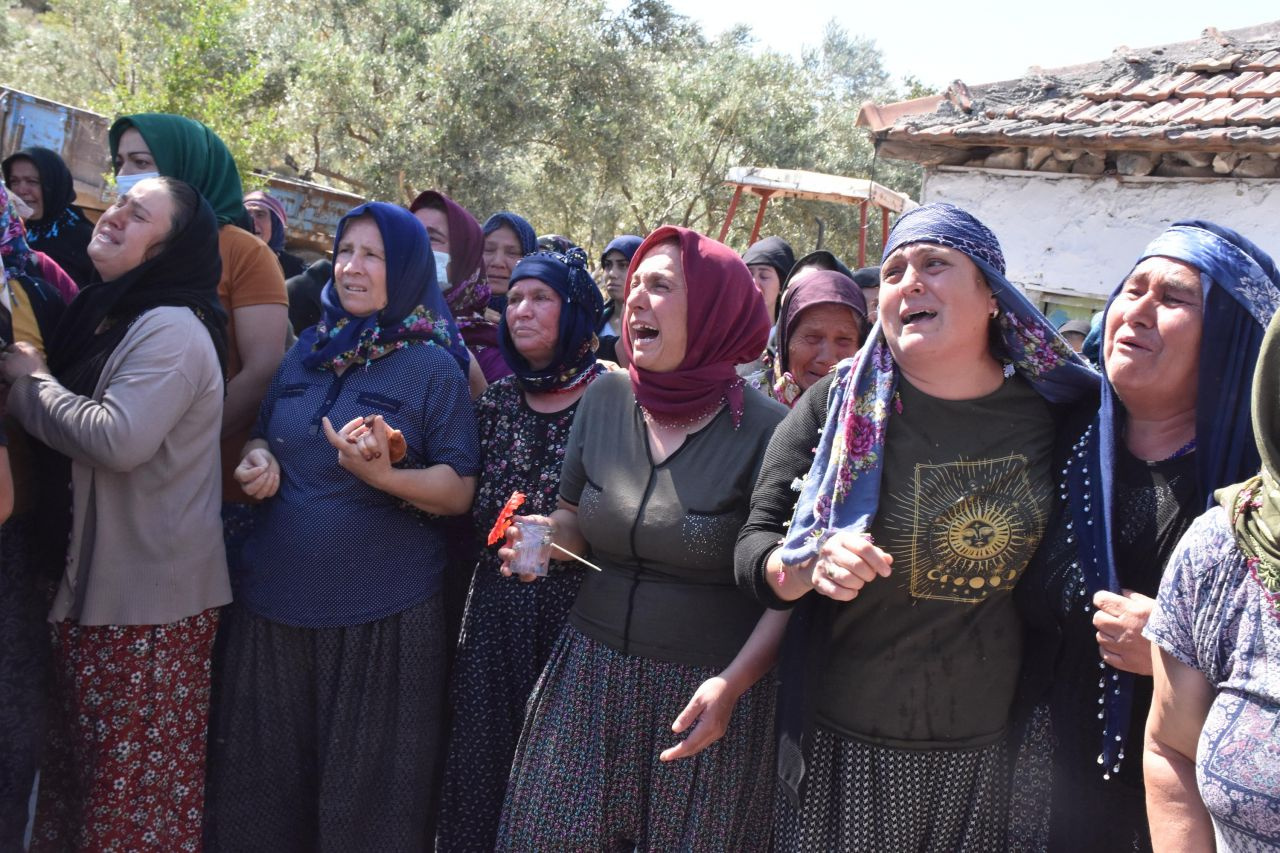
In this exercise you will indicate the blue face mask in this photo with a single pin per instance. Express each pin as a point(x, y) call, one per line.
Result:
point(442, 269)
point(125, 183)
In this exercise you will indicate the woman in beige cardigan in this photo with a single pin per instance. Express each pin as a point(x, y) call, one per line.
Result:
point(133, 395)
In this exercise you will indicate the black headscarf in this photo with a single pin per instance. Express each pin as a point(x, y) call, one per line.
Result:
point(184, 274)
point(63, 231)
point(773, 251)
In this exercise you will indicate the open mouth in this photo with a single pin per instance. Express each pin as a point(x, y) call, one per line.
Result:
point(917, 316)
point(641, 332)
point(355, 288)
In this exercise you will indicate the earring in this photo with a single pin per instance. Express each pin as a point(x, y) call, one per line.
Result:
point(995, 312)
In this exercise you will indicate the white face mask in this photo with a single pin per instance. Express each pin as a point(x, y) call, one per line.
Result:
point(442, 268)
point(125, 183)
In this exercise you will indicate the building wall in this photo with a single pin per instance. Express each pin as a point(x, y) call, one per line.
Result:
point(1072, 236)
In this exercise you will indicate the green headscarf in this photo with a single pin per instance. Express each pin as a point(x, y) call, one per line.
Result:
point(1254, 505)
point(184, 148)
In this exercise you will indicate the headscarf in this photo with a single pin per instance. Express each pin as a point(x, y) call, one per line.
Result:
point(727, 326)
point(14, 251)
point(1253, 506)
point(773, 251)
point(415, 312)
point(819, 259)
point(573, 364)
point(184, 274)
point(279, 218)
point(524, 231)
point(812, 287)
point(624, 243)
point(468, 292)
point(184, 148)
point(57, 187)
point(842, 489)
point(555, 243)
point(1241, 291)
point(22, 276)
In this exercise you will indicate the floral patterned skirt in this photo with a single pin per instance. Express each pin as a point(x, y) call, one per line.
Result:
point(124, 763)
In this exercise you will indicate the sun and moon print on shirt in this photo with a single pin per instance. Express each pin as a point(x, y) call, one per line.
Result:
point(967, 528)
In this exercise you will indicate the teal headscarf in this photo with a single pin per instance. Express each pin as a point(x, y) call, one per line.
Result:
point(184, 148)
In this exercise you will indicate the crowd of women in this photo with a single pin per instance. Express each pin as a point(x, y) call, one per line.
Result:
point(805, 558)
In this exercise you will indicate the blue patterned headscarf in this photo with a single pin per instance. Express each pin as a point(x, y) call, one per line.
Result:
point(842, 489)
point(1241, 292)
point(574, 362)
point(415, 313)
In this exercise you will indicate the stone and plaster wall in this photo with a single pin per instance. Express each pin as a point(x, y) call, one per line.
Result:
point(1076, 236)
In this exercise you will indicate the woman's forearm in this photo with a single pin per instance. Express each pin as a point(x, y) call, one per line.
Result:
point(438, 490)
point(568, 532)
point(759, 653)
point(1179, 821)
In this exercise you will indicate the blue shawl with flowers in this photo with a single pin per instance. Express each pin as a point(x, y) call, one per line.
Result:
point(415, 312)
point(842, 489)
point(1241, 292)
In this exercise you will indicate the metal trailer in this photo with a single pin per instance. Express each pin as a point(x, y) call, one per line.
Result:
point(768, 184)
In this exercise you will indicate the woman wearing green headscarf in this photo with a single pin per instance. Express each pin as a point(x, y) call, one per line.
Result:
point(1210, 763)
point(252, 286)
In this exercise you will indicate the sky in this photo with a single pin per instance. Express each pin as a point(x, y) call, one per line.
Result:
point(939, 41)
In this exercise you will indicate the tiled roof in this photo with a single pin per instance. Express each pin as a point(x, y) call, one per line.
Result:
point(1218, 94)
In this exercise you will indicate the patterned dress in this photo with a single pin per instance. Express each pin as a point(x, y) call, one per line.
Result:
point(1214, 616)
point(510, 627)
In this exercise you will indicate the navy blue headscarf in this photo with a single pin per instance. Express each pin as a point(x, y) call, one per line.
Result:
point(415, 312)
point(624, 243)
point(524, 231)
point(1241, 288)
point(574, 361)
point(842, 489)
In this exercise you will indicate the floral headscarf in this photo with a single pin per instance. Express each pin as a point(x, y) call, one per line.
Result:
point(842, 489)
point(415, 312)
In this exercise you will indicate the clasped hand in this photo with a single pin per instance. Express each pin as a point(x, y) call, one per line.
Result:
point(846, 563)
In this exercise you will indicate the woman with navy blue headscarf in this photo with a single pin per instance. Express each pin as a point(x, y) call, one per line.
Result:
point(1180, 339)
point(547, 337)
point(614, 261)
point(508, 237)
point(330, 713)
point(923, 502)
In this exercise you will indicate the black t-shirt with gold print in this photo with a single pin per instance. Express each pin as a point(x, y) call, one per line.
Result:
point(929, 656)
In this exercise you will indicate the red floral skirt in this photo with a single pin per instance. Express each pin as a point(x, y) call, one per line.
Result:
point(125, 757)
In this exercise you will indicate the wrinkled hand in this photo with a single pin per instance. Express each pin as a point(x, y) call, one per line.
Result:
point(507, 552)
point(258, 474)
point(1120, 620)
point(708, 712)
point(368, 458)
point(21, 359)
point(846, 563)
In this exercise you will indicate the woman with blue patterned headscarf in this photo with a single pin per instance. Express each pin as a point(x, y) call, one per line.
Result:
point(330, 709)
point(547, 337)
point(1181, 337)
point(924, 500)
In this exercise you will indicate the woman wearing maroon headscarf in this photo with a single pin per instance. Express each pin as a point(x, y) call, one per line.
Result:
point(655, 485)
point(458, 244)
point(822, 322)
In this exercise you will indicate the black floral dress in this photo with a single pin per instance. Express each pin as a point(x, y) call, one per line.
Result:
point(510, 627)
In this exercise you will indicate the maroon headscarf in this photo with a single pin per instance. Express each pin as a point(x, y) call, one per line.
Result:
point(468, 292)
point(809, 288)
point(728, 326)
